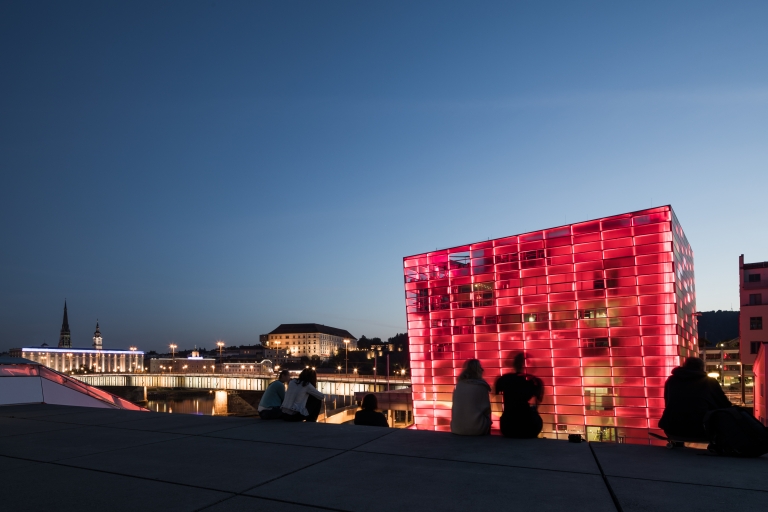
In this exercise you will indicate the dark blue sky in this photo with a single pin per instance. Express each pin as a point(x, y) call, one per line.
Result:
point(196, 171)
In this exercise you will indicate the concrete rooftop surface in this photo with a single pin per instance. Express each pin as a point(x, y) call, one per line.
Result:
point(72, 458)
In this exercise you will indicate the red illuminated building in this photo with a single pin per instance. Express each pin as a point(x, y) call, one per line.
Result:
point(603, 310)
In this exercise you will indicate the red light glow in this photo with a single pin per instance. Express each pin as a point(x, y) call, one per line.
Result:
point(602, 309)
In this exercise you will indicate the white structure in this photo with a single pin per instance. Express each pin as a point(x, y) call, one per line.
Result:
point(64, 358)
point(309, 340)
point(25, 382)
point(88, 359)
point(97, 338)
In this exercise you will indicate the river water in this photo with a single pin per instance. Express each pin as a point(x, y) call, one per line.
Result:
point(212, 404)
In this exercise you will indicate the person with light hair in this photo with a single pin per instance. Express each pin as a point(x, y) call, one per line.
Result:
point(471, 409)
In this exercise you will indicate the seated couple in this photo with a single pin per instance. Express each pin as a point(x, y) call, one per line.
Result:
point(522, 393)
point(301, 402)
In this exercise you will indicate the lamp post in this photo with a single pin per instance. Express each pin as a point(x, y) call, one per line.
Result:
point(220, 344)
point(133, 356)
point(173, 350)
point(743, 388)
point(346, 356)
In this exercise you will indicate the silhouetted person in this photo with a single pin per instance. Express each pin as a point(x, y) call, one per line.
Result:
point(302, 400)
point(520, 419)
point(688, 395)
point(367, 414)
point(471, 409)
point(272, 399)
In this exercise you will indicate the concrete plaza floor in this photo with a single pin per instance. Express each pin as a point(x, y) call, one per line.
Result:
point(70, 458)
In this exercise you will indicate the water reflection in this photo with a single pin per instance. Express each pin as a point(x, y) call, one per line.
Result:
point(212, 404)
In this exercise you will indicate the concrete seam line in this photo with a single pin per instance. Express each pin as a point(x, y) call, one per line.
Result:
point(125, 475)
point(676, 482)
point(277, 500)
point(605, 479)
point(310, 465)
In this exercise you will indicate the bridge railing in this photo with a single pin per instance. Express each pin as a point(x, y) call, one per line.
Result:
point(329, 384)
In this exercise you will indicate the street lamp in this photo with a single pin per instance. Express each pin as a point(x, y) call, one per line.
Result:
point(220, 344)
point(743, 384)
point(133, 349)
point(173, 350)
point(346, 356)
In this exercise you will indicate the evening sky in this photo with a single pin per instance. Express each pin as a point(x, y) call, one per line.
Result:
point(196, 171)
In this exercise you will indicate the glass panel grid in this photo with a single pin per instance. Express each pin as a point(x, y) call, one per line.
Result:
point(602, 309)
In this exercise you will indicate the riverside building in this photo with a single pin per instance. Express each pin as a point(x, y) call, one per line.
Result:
point(603, 310)
point(298, 340)
point(67, 359)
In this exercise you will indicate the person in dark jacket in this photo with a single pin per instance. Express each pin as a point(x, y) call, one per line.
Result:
point(688, 395)
point(368, 415)
point(520, 418)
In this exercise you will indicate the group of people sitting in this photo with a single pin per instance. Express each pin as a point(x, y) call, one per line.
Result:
point(696, 408)
point(302, 401)
point(690, 396)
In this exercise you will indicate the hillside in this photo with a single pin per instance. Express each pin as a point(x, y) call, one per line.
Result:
point(717, 326)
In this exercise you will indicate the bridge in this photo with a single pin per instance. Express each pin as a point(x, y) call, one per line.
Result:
point(329, 384)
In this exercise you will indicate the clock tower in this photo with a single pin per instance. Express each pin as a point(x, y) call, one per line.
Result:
point(97, 337)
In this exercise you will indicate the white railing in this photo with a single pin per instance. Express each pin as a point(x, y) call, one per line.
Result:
point(328, 384)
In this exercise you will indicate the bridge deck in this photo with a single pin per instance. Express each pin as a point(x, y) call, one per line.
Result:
point(66, 458)
point(329, 384)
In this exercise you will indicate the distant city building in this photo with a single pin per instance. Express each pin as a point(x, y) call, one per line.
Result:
point(68, 359)
point(309, 340)
point(264, 367)
point(724, 359)
point(753, 307)
point(194, 363)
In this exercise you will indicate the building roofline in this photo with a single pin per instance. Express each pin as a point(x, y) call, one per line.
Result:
point(312, 328)
point(666, 207)
point(79, 350)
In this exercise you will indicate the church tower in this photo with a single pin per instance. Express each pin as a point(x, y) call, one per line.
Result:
point(65, 341)
point(97, 337)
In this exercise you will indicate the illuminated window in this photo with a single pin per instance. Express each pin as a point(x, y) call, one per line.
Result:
point(598, 400)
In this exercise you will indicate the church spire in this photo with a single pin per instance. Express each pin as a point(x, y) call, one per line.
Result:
point(97, 337)
point(65, 341)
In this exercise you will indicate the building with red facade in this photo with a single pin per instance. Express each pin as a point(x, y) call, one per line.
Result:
point(603, 310)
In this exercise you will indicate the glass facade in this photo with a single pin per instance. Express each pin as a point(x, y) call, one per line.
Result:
point(603, 310)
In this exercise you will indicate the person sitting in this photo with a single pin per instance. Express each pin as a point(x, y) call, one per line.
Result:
point(367, 415)
point(272, 399)
point(302, 400)
point(471, 409)
point(520, 419)
point(688, 395)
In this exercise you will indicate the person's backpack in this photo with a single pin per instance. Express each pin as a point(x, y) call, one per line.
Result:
point(735, 432)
